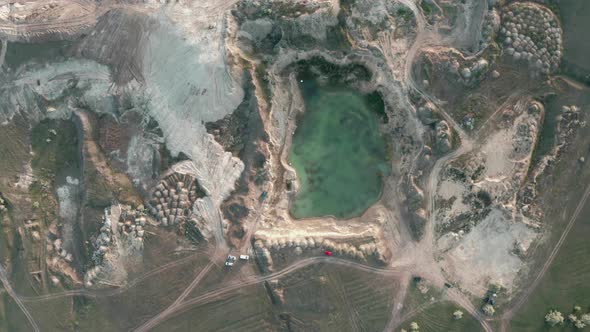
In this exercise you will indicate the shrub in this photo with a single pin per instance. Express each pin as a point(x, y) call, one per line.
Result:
point(554, 317)
point(488, 309)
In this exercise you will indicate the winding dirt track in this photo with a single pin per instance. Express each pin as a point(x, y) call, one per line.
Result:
point(527, 293)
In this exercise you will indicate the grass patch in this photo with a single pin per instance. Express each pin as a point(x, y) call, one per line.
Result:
point(261, 73)
point(55, 148)
point(20, 53)
point(564, 285)
point(439, 317)
point(14, 149)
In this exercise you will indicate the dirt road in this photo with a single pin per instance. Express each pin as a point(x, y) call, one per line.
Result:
point(508, 315)
point(220, 292)
point(111, 292)
point(14, 296)
point(164, 314)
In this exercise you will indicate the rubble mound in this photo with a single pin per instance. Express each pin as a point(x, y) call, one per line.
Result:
point(3, 204)
point(490, 27)
point(118, 245)
point(532, 33)
point(174, 197)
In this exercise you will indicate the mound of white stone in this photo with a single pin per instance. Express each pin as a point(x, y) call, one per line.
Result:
point(532, 33)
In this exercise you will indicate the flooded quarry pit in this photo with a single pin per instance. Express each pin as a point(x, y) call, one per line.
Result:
point(338, 152)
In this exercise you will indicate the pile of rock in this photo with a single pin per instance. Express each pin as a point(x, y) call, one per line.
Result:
point(104, 238)
point(429, 115)
point(443, 142)
point(91, 274)
point(532, 33)
point(173, 198)
point(131, 224)
point(567, 122)
point(469, 72)
point(3, 204)
point(58, 248)
point(490, 27)
point(120, 237)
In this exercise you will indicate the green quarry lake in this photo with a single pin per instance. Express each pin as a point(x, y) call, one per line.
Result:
point(338, 153)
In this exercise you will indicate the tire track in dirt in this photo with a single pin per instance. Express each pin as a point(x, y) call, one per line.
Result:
point(508, 315)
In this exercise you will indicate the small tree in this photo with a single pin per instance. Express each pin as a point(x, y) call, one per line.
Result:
point(488, 309)
point(572, 318)
point(554, 317)
point(458, 314)
point(577, 308)
point(585, 318)
point(414, 326)
point(579, 324)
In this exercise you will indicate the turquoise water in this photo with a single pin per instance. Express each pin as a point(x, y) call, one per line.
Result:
point(338, 153)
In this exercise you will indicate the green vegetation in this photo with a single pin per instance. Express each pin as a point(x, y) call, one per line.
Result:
point(14, 150)
point(427, 8)
point(55, 148)
point(338, 153)
point(261, 73)
point(405, 13)
point(554, 317)
point(565, 284)
point(549, 126)
point(488, 309)
point(575, 23)
point(331, 298)
point(310, 69)
point(20, 53)
point(441, 317)
point(579, 322)
point(12, 318)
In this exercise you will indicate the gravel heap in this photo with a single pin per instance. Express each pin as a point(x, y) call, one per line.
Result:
point(532, 33)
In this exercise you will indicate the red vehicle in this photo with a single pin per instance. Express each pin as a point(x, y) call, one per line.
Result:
point(328, 253)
